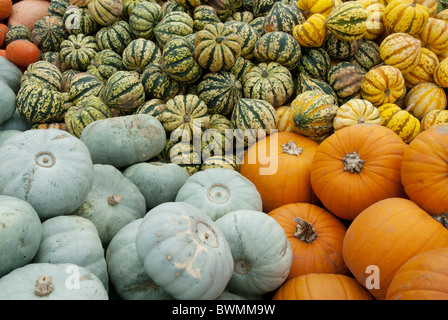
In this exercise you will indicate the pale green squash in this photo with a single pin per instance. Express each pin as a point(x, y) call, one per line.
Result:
point(16, 122)
point(7, 102)
point(5, 134)
point(10, 73)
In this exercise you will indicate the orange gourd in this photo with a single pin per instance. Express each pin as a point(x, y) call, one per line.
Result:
point(3, 29)
point(22, 52)
point(281, 174)
point(28, 13)
point(386, 235)
point(357, 166)
point(424, 169)
point(423, 277)
point(5, 9)
point(322, 286)
point(316, 238)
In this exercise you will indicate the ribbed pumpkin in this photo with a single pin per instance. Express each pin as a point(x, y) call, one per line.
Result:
point(414, 232)
point(310, 7)
point(271, 82)
point(441, 73)
point(159, 85)
point(223, 161)
point(433, 118)
point(356, 111)
point(144, 17)
point(185, 117)
point(78, 50)
point(362, 162)
point(241, 67)
point(178, 61)
point(315, 63)
point(18, 32)
point(312, 32)
point(367, 55)
point(84, 112)
point(382, 84)
point(225, 8)
point(115, 37)
point(404, 124)
point(48, 33)
point(217, 47)
point(312, 113)
point(183, 154)
point(104, 64)
point(154, 107)
point(316, 238)
point(57, 8)
point(44, 73)
point(190, 4)
point(423, 171)
point(347, 21)
point(345, 79)
point(269, 164)
point(254, 118)
point(374, 23)
point(424, 70)
point(203, 15)
point(285, 123)
point(407, 16)
point(248, 36)
point(139, 53)
point(282, 17)
point(105, 12)
point(67, 77)
point(79, 20)
point(175, 23)
point(280, 47)
point(84, 85)
point(434, 35)
point(339, 49)
point(401, 50)
point(124, 91)
point(425, 97)
point(220, 91)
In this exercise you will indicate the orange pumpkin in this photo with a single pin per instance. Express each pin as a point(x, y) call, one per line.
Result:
point(282, 175)
point(424, 169)
point(3, 53)
point(322, 286)
point(5, 9)
point(386, 235)
point(316, 238)
point(423, 277)
point(357, 166)
point(22, 52)
point(3, 29)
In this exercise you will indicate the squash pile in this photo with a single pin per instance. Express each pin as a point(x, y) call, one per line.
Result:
point(223, 149)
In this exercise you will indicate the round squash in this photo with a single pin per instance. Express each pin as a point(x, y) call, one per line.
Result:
point(404, 124)
point(425, 97)
point(124, 91)
point(401, 50)
point(433, 118)
point(356, 111)
point(424, 70)
point(7, 102)
point(434, 35)
point(441, 73)
point(407, 16)
point(347, 21)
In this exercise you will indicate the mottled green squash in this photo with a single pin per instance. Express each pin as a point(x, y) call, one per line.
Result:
point(241, 67)
point(339, 49)
point(78, 50)
point(282, 17)
point(202, 15)
point(48, 33)
point(57, 8)
point(225, 8)
point(124, 91)
point(184, 154)
point(367, 56)
point(347, 21)
point(79, 20)
point(248, 35)
point(306, 83)
point(175, 23)
point(140, 53)
point(144, 17)
point(154, 107)
point(85, 85)
point(104, 64)
point(45, 74)
point(18, 32)
point(345, 79)
point(115, 37)
point(222, 161)
point(315, 63)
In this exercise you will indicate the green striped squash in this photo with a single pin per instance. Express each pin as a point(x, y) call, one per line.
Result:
point(262, 7)
point(282, 17)
point(105, 12)
point(104, 64)
point(139, 54)
point(153, 107)
point(124, 91)
point(225, 8)
point(202, 15)
point(214, 143)
point(18, 32)
point(345, 79)
point(190, 4)
point(84, 112)
point(169, 6)
point(339, 49)
point(129, 5)
point(44, 73)
point(79, 20)
point(257, 24)
point(220, 91)
point(185, 117)
point(223, 161)
point(253, 119)
point(217, 47)
point(242, 16)
point(39, 105)
point(312, 113)
point(347, 21)
point(144, 17)
point(48, 33)
point(67, 77)
point(78, 50)
point(220, 123)
point(241, 67)
point(54, 58)
point(159, 85)
point(248, 35)
point(183, 154)
point(115, 37)
point(57, 8)
point(315, 63)
point(175, 23)
point(306, 83)
point(368, 55)
point(269, 81)
point(280, 47)
point(178, 61)
point(84, 85)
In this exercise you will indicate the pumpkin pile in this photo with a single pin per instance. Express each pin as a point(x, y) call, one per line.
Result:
point(223, 149)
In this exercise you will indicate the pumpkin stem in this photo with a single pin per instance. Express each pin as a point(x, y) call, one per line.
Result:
point(44, 286)
point(361, 120)
point(291, 148)
point(304, 231)
point(442, 218)
point(187, 118)
point(114, 199)
point(353, 163)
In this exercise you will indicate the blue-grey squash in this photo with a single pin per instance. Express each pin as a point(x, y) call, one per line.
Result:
point(73, 239)
point(218, 191)
point(113, 202)
point(5, 134)
point(159, 182)
point(260, 249)
point(50, 169)
point(20, 233)
point(126, 272)
point(48, 281)
point(7, 102)
point(10, 73)
point(124, 141)
point(16, 122)
point(183, 251)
